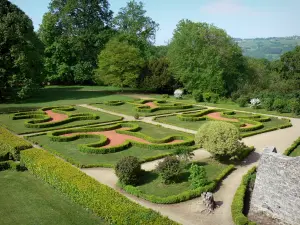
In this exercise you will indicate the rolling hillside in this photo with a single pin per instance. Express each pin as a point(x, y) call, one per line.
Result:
point(269, 48)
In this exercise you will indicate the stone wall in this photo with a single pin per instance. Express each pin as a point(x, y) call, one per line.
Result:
point(276, 192)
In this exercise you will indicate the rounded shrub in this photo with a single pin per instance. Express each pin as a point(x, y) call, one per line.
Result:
point(210, 97)
point(169, 169)
point(198, 96)
point(136, 116)
point(220, 138)
point(128, 170)
point(268, 103)
point(281, 105)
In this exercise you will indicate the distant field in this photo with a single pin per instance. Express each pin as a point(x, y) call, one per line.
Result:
point(268, 48)
point(27, 200)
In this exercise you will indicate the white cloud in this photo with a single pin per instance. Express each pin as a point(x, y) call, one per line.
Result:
point(228, 7)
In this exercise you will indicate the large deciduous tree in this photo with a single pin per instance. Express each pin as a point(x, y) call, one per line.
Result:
point(135, 27)
point(119, 64)
point(20, 53)
point(74, 32)
point(205, 58)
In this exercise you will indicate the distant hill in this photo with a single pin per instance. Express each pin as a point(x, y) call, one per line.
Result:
point(269, 48)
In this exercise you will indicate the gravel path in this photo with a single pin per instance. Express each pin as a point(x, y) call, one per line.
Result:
point(189, 212)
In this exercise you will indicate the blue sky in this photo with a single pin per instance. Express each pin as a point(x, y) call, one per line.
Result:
point(240, 18)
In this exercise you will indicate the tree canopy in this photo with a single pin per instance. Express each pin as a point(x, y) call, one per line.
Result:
point(205, 58)
point(74, 32)
point(20, 53)
point(119, 64)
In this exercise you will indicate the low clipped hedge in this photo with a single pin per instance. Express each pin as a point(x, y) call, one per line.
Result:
point(184, 196)
point(11, 145)
point(237, 205)
point(89, 193)
point(95, 147)
point(289, 150)
point(113, 103)
point(42, 120)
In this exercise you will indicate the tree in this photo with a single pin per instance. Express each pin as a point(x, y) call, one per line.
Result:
point(128, 170)
point(205, 58)
point(74, 32)
point(169, 169)
point(119, 64)
point(133, 21)
point(21, 53)
point(219, 138)
point(158, 77)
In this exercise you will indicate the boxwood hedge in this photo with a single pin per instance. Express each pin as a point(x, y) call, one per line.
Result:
point(84, 190)
point(289, 150)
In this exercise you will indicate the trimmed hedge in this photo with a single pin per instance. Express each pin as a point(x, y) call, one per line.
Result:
point(289, 150)
point(11, 145)
point(42, 120)
point(184, 196)
point(84, 190)
point(237, 205)
point(95, 147)
point(114, 103)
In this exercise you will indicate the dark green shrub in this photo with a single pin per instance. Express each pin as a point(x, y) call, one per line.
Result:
point(242, 101)
point(198, 176)
point(128, 170)
point(295, 105)
point(210, 97)
point(165, 96)
point(169, 169)
point(281, 105)
point(136, 116)
point(268, 103)
point(198, 96)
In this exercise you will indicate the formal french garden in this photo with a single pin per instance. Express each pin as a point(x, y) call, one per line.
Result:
point(98, 125)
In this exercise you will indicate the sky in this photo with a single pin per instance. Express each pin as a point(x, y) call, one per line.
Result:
point(240, 18)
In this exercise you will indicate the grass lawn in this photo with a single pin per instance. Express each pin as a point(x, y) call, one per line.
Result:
point(70, 152)
point(296, 152)
point(18, 125)
point(153, 185)
point(194, 125)
point(67, 95)
point(27, 200)
point(129, 109)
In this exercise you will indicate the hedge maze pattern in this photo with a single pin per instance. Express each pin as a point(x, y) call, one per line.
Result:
point(127, 132)
point(52, 116)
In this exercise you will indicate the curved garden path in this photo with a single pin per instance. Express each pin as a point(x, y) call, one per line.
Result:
point(189, 212)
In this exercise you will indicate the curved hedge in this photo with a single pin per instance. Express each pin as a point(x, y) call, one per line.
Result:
point(86, 191)
point(184, 196)
point(114, 103)
point(237, 205)
point(42, 120)
point(97, 147)
point(289, 150)
point(139, 107)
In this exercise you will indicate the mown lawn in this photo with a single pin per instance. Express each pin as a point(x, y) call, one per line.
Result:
point(194, 125)
point(129, 109)
point(67, 95)
point(27, 200)
point(70, 152)
point(18, 125)
point(152, 184)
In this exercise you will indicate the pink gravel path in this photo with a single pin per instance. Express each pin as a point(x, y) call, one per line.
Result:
point(218, 116)
point(151, 104)
point(116, 139)
point(56, 116)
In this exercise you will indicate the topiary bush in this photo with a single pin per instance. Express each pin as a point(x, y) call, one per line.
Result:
point(220, 138)
point(136, 116)
point(210, 97)
point(198, 96)
point(169, 169)
point(128, 170)
point(280, 105)
point(198, 176)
